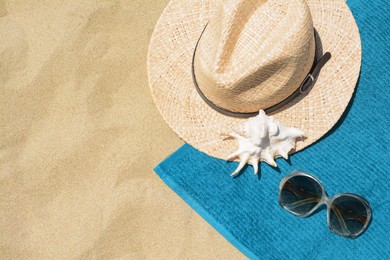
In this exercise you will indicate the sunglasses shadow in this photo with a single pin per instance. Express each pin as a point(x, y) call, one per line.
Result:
point(369, 223)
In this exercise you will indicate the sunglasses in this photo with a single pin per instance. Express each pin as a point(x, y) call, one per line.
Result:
point(301, 194)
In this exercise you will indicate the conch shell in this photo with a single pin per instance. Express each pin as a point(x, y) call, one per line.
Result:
point(262, 138)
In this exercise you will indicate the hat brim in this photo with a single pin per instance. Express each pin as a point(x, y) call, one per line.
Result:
point(169, 70)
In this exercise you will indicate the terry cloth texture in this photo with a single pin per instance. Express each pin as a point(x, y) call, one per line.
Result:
point(354, 157)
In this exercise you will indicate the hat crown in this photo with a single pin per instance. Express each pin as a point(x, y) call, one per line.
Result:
point(254, 54)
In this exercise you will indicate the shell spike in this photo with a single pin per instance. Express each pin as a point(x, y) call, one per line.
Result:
point(268, 158)
point(297, 132)
point(262, 138)
point(255, 163)
point(233, 155)
point(243, 161)
point(283, 153)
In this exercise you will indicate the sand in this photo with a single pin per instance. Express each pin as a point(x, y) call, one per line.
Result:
point(80, 136)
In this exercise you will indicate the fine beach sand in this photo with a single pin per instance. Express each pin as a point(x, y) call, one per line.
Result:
point(80, 136)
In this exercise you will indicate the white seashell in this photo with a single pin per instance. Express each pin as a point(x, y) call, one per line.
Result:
point(262, 138)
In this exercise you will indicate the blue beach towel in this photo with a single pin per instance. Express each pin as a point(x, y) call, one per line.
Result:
point(354, 157)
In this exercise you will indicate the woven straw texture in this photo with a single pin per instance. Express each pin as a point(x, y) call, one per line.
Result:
point(169, 70)
point(243, 67)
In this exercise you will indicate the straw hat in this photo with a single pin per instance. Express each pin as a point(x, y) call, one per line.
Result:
point(212, 63)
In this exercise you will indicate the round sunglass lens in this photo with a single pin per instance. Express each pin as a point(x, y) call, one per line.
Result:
point(300, 194)
point(348, 215)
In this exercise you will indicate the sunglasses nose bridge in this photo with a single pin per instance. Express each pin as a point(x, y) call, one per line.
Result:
point(326, 200)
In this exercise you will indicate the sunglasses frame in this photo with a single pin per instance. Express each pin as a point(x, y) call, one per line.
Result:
point(324, 200)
